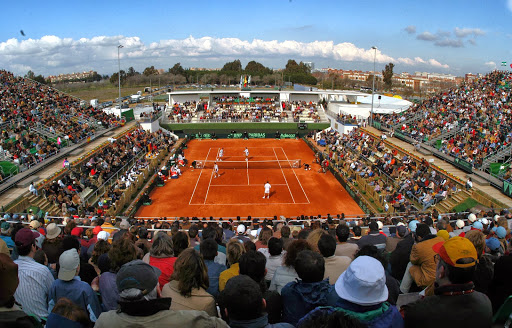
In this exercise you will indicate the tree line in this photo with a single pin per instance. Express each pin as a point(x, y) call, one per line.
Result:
point(230, 74)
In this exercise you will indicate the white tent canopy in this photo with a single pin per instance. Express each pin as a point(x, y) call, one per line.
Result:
point(385, 105)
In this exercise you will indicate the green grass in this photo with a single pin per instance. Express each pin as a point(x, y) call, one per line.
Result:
point(206, 127)
point(466, 205)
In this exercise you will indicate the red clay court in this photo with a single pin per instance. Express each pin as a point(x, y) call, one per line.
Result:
point(239, 188)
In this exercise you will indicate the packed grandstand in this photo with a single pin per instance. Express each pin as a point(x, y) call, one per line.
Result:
point(73, 254)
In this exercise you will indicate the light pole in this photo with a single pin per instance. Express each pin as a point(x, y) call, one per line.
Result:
point(119, 74)
point(373, 84)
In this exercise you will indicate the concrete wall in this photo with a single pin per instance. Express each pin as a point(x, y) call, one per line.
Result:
point(341, 128)
point(151, 127)
point(304, 97)
point(184, 98)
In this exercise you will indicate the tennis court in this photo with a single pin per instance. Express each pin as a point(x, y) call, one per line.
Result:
point(238, 189)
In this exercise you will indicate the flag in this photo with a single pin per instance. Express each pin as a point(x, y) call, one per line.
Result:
point(503, 63)
point(59, 141)
point(241, 80)
point(245, 80)
point(249, 80)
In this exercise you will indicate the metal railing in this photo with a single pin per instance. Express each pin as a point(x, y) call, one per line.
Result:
point(101, 189)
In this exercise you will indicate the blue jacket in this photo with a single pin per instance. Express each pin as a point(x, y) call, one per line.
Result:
point(382, 315)
point(261, 322)
point(214, 270)
point(299, 298)
point(78, 292)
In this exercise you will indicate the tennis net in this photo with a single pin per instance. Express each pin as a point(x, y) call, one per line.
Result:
point(276, 164)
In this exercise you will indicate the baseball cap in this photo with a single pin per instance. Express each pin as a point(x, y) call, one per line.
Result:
point(443, 234)
point(493, 244)
point(139, 275)
point(413, 224)
point(24, 237)
point(485, 221)
point(454, 249)
point(501, 232)
point(103, 235)
point(472, 217)
point(5, 227)
point(76, 231)
point(8, 277)
point(459, 223)
point(68, 261)
point(240, 228)
point(401, 230)
point(34, 224)
point(478, 225)
point(363, 283)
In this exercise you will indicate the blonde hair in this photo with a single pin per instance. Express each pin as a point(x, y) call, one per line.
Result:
point(478, 240)
point(314, 237)
point(234, 250)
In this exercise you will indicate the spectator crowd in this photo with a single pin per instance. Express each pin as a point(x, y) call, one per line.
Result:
point(479, 112)
point(31, 112)
point(418, 271)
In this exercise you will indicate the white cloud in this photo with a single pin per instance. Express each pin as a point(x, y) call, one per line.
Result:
point(427, 36)
point(411, 29)
point(464, 32)
point(449, 43)
point(54, 55)
point(435, 63)
point(492, 65)
point(509, 5)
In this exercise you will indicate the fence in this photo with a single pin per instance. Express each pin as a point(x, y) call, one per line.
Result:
point(101, 189)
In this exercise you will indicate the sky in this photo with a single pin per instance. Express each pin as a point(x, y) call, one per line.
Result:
point(448, 36)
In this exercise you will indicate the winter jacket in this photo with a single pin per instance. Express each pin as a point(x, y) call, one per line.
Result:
point(300, 297)
point(261, 322)
point(282, 276)
point(156, 313)
point(198, 300)
point(382, 315)
point(451, 306)
point(423, 270)
point(399, 258)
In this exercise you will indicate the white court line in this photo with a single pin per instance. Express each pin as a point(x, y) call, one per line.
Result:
point(208, 190)
point(198, 179)
point(284, 175)
point(247, 162)
point(259, 185)
point(300, 184)
point(251, 204)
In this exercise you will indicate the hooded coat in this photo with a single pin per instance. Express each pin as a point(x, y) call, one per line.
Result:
point(300, 297)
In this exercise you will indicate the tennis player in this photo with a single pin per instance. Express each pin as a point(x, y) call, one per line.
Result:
point(221, 154)
point(215, 170)
point(267, 190)
point(246, 152)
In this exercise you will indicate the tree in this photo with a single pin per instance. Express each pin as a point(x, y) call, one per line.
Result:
point(256, 68)
point(114, 79)
point(40, 79)
point(150, 71)
point(234, 66)
point(387, 75)
point(177, 70)
point(131, 72)
point(30, 75)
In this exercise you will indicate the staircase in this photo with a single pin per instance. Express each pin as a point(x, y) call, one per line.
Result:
point(496, 157)
point(414, 117)
point(445, 135)
point(447, 205)
point(43, 204)
point(321, 113)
